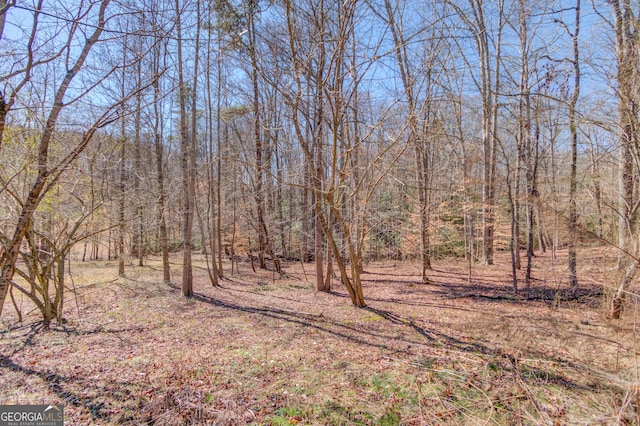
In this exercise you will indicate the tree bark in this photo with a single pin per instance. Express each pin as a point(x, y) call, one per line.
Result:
point(138, 241)
point(187, 146)
point(573, 180)
point(257, 133)
point(157, 141)
point(628, 62)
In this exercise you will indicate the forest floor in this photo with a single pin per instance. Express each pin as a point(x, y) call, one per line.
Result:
point(264, 349)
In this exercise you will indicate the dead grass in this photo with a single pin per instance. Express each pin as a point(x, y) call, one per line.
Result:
point(262, 349)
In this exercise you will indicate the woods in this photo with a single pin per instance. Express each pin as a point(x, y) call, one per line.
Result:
point(317, 131)
point(320, 211)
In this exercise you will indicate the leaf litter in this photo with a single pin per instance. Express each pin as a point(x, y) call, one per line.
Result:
point(262, 349)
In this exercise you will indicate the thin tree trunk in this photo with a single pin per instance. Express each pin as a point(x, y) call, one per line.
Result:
point(138, 242)
point(211, 266)
point(536, 204)
point(162, 220)
point(280, 205)
point(627, 58)
point(356, 207)
point(525, 141)
point(214, 273)
point(193, 145)
point(318, 176)
point(573, 180)
point(157, 140)
point(59, 298)
point(420, 148)
point(186, 153)
point(257, 131)
point(307, 209)
point(219, 160)
point(514, 243)
point(597, 188)
point(318, 252)
point(515, 213)
point(327, 280)
point(122, 178)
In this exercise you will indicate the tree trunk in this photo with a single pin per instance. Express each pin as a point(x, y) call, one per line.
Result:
point(628, 60)
point(214, 273)
point(257, 132)
point(219, 134)
point(137, 247)
point(318, 252)
point(573, 180)
point(121, 203)
point(59, 298)
point(157, 140)
point(187, 145)
point(415, 138)
point(122, 169)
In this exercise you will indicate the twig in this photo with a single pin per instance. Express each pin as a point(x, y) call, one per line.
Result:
point(516, 367)
point(75, 293)
point(15, 305)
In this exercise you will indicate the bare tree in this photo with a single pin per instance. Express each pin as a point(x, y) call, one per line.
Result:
point(122, 186)
point(50, 236)
point(158, 67)
point(573, 127)
point(25, 72)
point(488, 50)
point(625, 26)
point(420, 107)
point(137, 248)
point(320, 93)
point(49, 172)
point(188, 149)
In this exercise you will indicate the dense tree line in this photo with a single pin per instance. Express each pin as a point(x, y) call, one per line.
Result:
point(324, 131)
